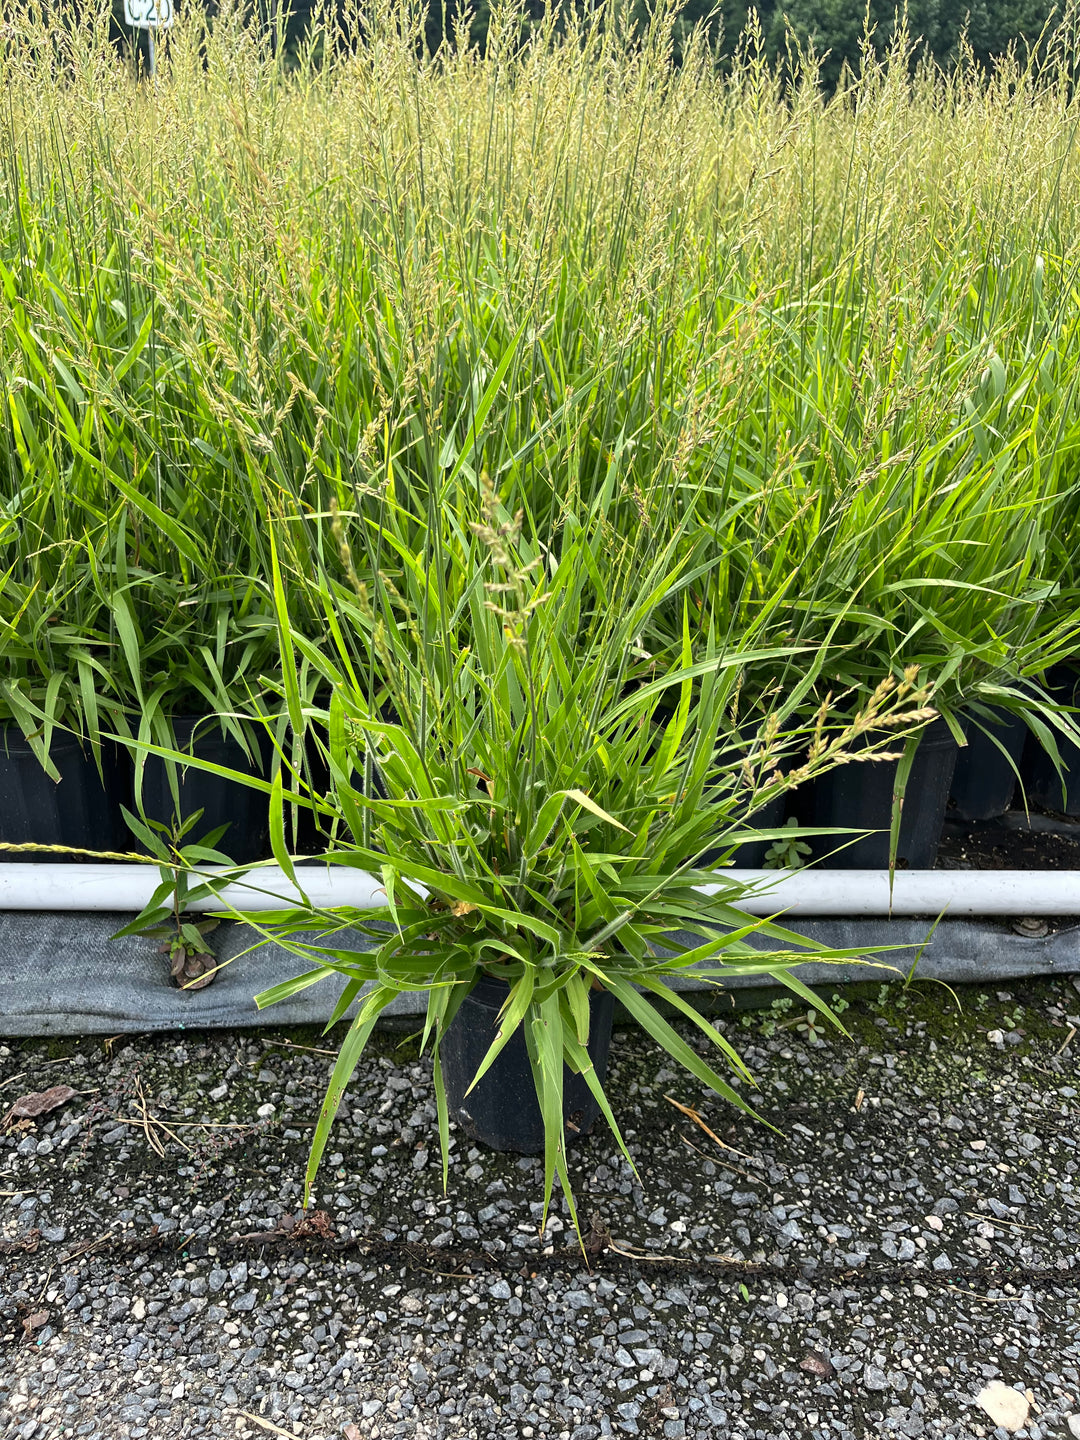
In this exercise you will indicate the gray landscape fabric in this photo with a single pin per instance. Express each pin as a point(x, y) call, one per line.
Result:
point(64, 974)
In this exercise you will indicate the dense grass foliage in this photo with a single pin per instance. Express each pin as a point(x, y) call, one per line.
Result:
point(577, 450)
point(823, 350)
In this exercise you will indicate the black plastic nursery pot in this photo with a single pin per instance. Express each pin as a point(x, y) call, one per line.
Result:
point(859, 796)
point(312, 830)
point(503, 1111)
point(983, 781)
point(223, 802)
point(309, 838)
point(751, 854)
point(1042, 784)
point(81, 810)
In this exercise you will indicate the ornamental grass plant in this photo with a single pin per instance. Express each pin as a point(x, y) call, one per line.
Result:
point(535, 796)
point(563, 450)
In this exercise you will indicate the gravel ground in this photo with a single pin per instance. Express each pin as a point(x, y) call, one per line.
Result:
point(913, 1233)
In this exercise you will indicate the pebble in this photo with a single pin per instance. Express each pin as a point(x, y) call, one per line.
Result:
point(1005, 1406)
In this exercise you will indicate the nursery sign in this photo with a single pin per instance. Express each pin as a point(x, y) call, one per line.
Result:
point(148, 14)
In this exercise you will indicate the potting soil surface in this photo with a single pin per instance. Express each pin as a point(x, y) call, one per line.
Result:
point(910, 1237)
point(994, 845)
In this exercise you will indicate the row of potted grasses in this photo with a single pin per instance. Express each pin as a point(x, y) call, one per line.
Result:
point(567, 454)
point(258, 330)
point(844, 817)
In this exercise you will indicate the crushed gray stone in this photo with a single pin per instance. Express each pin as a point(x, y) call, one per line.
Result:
point(781, 1285)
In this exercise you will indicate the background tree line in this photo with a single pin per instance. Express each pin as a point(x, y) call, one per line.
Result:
point(835, 29)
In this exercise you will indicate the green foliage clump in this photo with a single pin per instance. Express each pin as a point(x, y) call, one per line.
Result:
point(583, 448)
point(839, 334)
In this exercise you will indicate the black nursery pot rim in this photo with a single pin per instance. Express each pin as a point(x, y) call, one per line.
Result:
point(504, 982)
point(207, 728)
point(13, 741)
point(210, 719)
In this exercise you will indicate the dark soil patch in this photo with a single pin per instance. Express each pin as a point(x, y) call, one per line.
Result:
point(992, 845)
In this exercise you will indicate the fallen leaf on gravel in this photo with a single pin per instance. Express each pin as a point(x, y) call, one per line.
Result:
point(29, 1107)
point(817, 1364)
point(29, 1243)
point(692, 1114)
point(1005, 1406)
point(313, 1222)
point(598, 1238)
point(34, 1322)
point(297, 1227)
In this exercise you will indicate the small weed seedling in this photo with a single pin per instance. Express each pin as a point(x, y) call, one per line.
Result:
point(810, 1026)
point(191, 965)
point(788, 853)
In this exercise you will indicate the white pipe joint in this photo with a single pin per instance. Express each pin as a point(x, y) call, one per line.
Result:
point(124, 889)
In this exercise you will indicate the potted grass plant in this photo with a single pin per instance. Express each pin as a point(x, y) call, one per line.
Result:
point(536, 831)
point(1050, 767)
point(930, 528)
point(935, 565)
point(61, 780)
point(191, 661)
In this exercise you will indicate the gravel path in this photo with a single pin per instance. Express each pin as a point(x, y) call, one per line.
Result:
point(912, 1235)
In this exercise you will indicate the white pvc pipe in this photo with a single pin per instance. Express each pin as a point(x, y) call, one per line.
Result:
point(127, 888)
point(124, 888)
